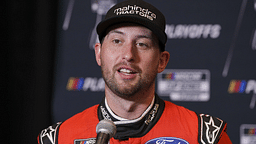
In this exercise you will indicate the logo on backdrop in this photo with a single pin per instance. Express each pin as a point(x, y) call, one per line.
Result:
point(193, 31)
point(243, 86)
point(97, 6)
point(100, 7)
point(248, 134)
point(184, 85)
point(85, 84)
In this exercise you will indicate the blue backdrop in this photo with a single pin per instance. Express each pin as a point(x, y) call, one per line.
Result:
point(212, 68)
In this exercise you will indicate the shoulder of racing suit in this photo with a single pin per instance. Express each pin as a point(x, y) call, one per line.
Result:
point(49, 135)
point(210, 129)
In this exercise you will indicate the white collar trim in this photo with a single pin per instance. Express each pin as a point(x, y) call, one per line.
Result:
point(126, 121)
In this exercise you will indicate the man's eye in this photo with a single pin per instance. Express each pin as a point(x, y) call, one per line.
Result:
point(142, 44)
point(116, 41)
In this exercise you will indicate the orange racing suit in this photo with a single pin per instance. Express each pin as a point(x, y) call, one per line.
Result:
point(164, 123)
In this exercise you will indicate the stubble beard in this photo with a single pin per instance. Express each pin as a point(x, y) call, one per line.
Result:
point(129, 89)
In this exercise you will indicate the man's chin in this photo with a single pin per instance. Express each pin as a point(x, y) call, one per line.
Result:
point(126, 92)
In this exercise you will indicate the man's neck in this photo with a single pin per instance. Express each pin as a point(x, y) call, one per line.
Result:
point(129, 107)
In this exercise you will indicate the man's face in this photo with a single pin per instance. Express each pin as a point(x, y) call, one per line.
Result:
point(129, 58)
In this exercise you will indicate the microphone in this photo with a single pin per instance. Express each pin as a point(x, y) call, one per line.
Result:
point(105, 130)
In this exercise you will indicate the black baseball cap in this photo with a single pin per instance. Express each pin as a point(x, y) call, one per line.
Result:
point(135, 11)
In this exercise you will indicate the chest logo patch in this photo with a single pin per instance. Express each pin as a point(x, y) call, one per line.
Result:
point(167, 140)
point(85, 141)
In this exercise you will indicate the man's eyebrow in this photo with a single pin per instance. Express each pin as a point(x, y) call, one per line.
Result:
point(115, 31)
point(147, 36)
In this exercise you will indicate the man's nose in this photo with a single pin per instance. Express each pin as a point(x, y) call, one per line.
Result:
point(129, 52)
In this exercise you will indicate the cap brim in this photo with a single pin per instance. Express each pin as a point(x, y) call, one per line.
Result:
point(102, 26)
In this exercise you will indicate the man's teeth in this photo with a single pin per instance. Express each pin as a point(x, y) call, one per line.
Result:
point(126, 71)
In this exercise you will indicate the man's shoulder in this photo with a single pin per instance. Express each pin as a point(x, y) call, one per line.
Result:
point(87, 119)
point(89, 112)
point(210, 128)
point(179, 110)
point(87, 116)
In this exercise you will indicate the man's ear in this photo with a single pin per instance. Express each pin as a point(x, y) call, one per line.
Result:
point(97, 53)
point(164, 59)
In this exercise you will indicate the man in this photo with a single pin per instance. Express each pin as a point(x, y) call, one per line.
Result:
point(131, 52)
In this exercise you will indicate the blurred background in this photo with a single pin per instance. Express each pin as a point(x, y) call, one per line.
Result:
point(50, 72)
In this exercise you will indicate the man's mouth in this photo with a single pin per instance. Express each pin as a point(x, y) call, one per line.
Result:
point(126, 71)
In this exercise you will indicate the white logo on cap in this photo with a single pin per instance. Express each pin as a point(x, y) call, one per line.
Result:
point(135, 10)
